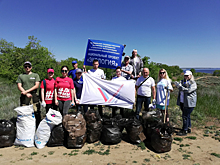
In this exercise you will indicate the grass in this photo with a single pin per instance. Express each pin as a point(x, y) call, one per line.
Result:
point(51, 152)
point(34, 153)
point(9, 99)
point(191, 137)
point(178, 139)
point(217, 155)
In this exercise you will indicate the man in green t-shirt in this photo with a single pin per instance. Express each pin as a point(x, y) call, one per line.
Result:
point(28, 84)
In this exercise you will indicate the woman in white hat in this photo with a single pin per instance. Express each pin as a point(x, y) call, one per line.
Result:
point(186, 100)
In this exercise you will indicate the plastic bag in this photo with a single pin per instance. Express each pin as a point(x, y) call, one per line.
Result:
point(150, 121)
point(42, 135)
point(94, 131)
point(7, 133)
point(25, 126)
point(135, 131)
point(75, 130)
point(111, 133)
point(56, 136)
point(161, 138)
point(93, 125)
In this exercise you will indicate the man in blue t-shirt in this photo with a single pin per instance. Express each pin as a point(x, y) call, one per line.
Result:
point(72, 72)
point(78, 84)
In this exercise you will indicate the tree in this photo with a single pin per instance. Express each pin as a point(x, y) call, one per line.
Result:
point(216, 73)
point(12, 59)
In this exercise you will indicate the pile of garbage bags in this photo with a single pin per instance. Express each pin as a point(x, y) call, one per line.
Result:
point(73, 130)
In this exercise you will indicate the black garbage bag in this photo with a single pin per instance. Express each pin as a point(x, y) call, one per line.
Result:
point(94, 131)
point(134, 131)
point(93, 125)
point(111, 133)
point(92, 116)
point(161, 138)
point(7, 133)
point(75, 142)
point(122, 123)
point(149, 121)
point(56, 136)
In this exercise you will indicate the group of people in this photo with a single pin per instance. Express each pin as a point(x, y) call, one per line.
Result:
point(64, 92)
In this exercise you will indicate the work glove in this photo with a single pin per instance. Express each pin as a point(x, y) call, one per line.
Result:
point(154, 102)
point(177, 84)
point(152, 106)
point(43, 104)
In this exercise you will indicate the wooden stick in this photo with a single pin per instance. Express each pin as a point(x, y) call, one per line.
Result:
point(165, 111)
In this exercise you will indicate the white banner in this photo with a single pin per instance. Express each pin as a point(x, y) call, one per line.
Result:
point(104, 92)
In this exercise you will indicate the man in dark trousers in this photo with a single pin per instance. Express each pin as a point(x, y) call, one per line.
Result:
point(28, 84)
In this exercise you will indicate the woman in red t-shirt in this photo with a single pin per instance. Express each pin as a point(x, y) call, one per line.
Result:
point(47, 95)
point(64, 91)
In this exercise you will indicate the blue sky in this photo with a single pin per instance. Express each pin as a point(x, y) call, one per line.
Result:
point(173, 32)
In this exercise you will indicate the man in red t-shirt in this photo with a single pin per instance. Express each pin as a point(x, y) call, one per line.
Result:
point(47, 95)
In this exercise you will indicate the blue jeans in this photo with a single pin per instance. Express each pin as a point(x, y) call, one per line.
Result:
point(140, 100)
point(186, 118)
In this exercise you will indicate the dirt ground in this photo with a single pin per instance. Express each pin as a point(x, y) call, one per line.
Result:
point(188, 151)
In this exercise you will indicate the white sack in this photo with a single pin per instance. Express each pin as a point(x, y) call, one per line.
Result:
point(45, 127)
point(25, 126)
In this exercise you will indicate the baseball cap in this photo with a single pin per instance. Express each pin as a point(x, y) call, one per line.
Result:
point(27, 62)
point(79, 71)
point(74, 62)
point(187, 72)
point(127, 57)
point(134, 50)
point(50, 70)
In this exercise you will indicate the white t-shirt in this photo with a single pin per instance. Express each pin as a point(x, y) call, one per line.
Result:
point(135, 61)
point(99, 73)
point(118, 78)
point(126, 68)
point(161, 91)
point(145, 88)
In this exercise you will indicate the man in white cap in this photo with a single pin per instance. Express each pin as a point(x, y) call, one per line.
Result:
point(126, 68)
point(28, 84)
point(137, 64)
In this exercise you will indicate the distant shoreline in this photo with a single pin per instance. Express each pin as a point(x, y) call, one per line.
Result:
point(199, 68)
point(202, 70)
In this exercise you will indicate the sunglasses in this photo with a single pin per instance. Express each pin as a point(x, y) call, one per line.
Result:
point(27, 66)
point(64, 71)
point(50, 72)
point(162, 72)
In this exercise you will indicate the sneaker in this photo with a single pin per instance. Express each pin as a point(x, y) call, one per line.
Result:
point(182, 133)
point(189, 130)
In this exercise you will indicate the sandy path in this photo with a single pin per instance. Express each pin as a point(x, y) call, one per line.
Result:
point(199, 151)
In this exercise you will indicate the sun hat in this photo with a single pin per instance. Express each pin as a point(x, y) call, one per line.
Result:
point(187, 72)
point(50, 70)
point(27, 62)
